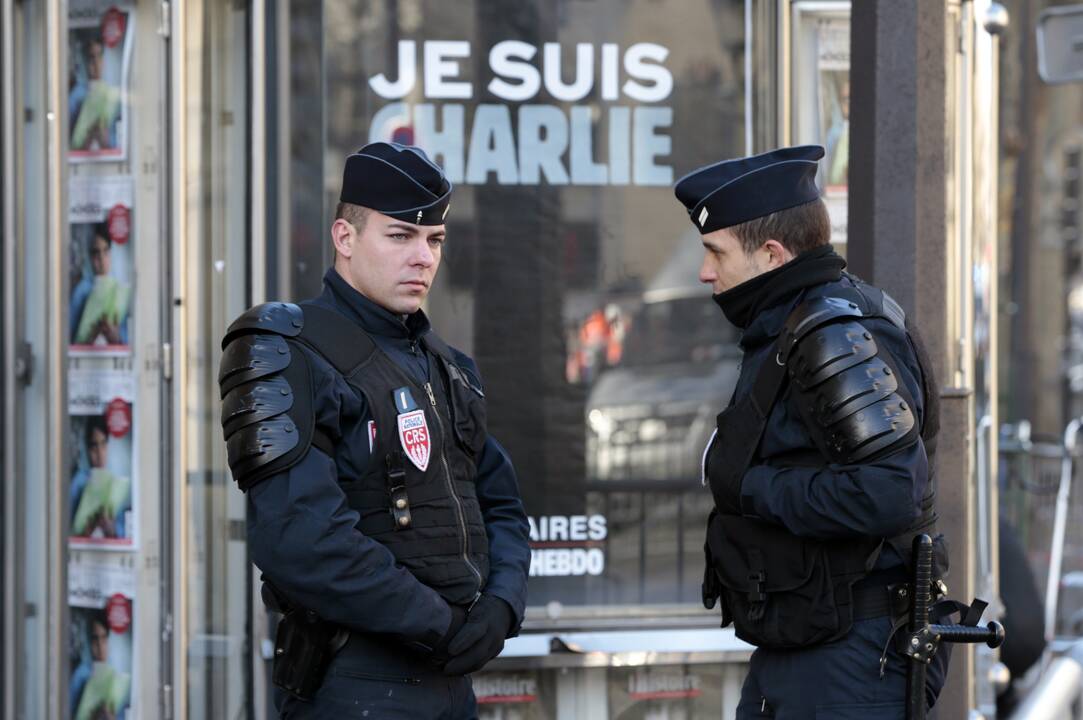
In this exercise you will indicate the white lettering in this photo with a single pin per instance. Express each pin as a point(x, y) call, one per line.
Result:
point(647, 145)
point(596, 523)
point(563, 562)
point(658, 75)
point(443, 146)
point(502, 64)
point(439, 69)
point(620, 161)
point(578, 527)
point(543, 138)
point(492, 147)
point(610, 72)
point(407, 74)
point(387, 120)
point(584, 72)
point(553, 144)
point(584, 170)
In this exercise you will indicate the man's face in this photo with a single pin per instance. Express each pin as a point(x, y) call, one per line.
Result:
point(94, 60)
point(100, 261)
point(725, 263)
point(99, 642)
point(389, 261)
point(97, 449)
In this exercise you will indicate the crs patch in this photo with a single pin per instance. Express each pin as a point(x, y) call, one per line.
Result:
point(415, 438)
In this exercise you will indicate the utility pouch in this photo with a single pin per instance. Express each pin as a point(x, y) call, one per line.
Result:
point(304, 648)
point(770, 578)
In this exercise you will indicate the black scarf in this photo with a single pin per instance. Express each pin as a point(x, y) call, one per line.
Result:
point(741, 304)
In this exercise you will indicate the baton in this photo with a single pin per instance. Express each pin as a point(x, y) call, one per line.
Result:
point(925, 638)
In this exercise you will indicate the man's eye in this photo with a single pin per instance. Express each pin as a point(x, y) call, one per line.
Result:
point(436, 241)
point(399, 236)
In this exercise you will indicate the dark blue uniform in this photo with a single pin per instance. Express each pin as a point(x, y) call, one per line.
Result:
point(877, 499)
point(303, 537)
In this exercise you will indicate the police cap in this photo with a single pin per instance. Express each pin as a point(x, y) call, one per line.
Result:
point(735, 191)
point(397, 180)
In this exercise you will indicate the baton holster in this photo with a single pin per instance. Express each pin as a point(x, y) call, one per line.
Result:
point(305, 644)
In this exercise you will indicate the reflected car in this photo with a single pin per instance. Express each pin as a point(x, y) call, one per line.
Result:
point(648, 419)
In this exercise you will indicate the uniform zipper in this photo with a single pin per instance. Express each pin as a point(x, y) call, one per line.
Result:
point(451, 489)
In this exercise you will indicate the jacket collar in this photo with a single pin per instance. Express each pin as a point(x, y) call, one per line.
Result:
point(373, 318)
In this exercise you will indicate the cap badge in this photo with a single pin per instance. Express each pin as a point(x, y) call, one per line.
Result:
point(419, 217)
point(702, 216)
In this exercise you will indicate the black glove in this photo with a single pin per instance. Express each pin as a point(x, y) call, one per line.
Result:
point(439, 654)
point(481, 637)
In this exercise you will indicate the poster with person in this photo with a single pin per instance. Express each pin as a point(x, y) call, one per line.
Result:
point(100, 600)
point(100, 265)
point(99, 55)
point(101, 485)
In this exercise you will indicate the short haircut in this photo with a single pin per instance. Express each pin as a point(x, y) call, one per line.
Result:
point(95, 422)
point(356, 215)
point(98, 616)
point(102, 230)
point(799, 228)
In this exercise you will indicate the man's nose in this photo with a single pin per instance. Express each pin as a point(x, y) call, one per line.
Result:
point(706, 273)
point(423, 254)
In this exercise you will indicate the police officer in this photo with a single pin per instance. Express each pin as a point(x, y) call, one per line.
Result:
point(386, 520)
point(821, 466)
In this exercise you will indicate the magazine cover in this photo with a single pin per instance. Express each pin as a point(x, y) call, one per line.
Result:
point(99, 52)
point(101, 484)
point(100, 600)
point(100, 265)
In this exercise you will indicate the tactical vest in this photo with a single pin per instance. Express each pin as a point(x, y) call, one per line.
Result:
point(417, 494)
point(780, 590)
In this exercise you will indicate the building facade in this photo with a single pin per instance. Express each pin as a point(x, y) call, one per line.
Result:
point(167, 165)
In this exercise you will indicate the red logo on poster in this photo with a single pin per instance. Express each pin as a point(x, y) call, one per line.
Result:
point(113, 24)
point(118, 613)
point(120, 225)
point(414, 436)
point(118, 418)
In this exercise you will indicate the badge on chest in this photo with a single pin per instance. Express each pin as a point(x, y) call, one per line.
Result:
point(413, 429)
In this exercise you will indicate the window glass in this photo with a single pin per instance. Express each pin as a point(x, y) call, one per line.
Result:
point(570, 272)
point(214, 580)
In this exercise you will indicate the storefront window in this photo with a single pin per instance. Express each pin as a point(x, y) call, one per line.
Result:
point(821, 98)
point(570, 272)
point(214, 574)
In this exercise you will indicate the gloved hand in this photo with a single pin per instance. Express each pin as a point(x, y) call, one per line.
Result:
point(439, 654)
point(481, 637)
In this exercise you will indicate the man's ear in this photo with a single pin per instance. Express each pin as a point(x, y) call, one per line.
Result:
point(778, 255)
point(341, 234)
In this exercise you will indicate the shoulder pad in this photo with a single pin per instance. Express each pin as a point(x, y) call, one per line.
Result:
point(248, 357)
point(267, 417)
point(284, 319)
point(827, 351)
point(810, 315)
point(849, 393)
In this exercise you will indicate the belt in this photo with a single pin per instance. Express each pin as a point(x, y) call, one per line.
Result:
point(871, 601)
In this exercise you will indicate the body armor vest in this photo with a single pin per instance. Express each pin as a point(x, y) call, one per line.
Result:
point(423, 505)
point(417, 495)
point(780, 590)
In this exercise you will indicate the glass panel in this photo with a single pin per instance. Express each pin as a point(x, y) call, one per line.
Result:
point(29, 528)
point(215, 580)
point(571, 271)
point(821, 99)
